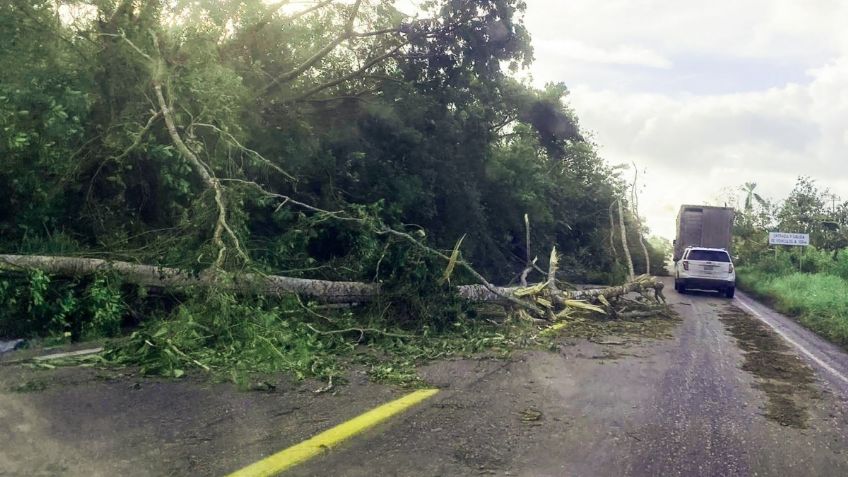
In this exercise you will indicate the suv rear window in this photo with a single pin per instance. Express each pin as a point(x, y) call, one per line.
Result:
point(708, 256)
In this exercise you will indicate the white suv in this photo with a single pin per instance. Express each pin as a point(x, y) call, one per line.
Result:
point(705, 269)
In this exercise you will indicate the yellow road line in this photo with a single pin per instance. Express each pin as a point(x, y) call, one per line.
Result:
point(296, 454)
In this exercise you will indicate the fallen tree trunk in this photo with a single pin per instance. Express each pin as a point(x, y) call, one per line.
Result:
point(641, 284)
point(165, 277)
point(324, 291)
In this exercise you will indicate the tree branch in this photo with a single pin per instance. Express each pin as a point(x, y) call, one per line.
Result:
point(320, 54)
point(348, 76)
point(221, 225)
point(309, 10)
point(253, 153)
point(126, 152)
point(383, 230)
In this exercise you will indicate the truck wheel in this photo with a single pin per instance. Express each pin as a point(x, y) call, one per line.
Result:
point(681, 288)
point(729, 292)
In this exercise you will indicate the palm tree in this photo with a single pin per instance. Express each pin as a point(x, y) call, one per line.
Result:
point(751, 196)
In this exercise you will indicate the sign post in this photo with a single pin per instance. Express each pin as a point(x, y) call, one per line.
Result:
point(792, 239)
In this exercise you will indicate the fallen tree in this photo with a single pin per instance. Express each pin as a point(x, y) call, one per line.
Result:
point(544, 295)
point(166, 277)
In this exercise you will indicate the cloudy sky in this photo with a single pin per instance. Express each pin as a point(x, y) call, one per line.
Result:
point(704, 95)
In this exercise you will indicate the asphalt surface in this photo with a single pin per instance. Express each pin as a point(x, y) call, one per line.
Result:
point(682, 406)
point(830, 360)
point(701, 402)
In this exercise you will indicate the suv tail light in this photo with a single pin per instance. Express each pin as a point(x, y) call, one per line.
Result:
point(730, 268)
point(686, 265)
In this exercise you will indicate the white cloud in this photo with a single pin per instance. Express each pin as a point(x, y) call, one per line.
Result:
point(617, 55)
point(757, 28)
point(714, 95)
point(693, 146)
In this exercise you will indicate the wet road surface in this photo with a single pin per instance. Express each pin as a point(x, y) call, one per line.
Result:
point(699, 403)
point(681, 406)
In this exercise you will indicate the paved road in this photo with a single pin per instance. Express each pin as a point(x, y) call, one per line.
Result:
point(721, 396)
point(682, 406)
point(830, 360)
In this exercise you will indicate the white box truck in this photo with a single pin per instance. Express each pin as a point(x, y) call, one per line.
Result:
point(703, 226)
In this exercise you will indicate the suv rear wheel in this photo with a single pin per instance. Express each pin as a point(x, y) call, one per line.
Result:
point(729, 292)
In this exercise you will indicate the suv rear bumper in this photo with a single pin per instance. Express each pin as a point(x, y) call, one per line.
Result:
point(706, 283)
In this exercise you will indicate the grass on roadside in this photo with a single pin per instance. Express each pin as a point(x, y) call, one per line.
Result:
point(818, 300)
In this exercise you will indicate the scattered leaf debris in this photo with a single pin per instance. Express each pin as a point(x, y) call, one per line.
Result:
point(782, 375)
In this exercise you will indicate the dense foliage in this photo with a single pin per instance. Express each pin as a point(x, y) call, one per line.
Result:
point(244, 134)
point(808, 282)
point(437, 134)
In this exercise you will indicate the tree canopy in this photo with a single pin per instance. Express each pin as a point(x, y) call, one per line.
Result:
point(807, 209)
point(238, 133)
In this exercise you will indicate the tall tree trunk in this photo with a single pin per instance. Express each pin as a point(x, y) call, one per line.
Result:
point(637, 219)
point(528, 264)
point(644, 250)
point(631, 273)
point(612, 234)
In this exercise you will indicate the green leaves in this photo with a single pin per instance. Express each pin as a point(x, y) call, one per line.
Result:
point(62, 309)
point(454, 257)
point(436, 140)
point(104, 304)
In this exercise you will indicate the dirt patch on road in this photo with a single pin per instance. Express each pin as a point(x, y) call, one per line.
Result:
point(786, 380)
point(599, 330)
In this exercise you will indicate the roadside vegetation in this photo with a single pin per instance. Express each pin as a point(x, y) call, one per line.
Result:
point(809, 283)
point(341, 141)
